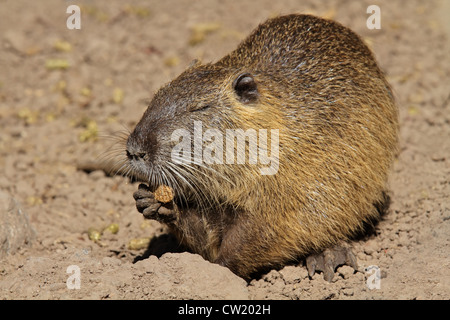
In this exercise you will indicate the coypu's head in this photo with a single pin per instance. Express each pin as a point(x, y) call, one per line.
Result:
point(180, 140)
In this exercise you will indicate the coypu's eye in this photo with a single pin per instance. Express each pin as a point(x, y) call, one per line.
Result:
point(246, 88)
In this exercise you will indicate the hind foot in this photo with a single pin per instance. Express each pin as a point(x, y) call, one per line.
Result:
point(152, 208)
point(329, 260)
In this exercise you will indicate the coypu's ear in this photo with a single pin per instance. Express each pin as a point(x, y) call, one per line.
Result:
point(245, 87)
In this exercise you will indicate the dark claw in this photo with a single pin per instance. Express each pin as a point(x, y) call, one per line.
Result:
point(166, 214)
point(329, 260)
point(151, 211)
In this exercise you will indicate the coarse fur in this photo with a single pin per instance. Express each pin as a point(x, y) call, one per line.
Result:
point(317, 83)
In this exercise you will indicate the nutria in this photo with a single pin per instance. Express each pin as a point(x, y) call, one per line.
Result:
point(317, 86)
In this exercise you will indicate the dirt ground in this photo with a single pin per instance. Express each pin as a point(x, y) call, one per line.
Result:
point(65, 93)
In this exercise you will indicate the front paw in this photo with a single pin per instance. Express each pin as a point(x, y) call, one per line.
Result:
point(152, 208)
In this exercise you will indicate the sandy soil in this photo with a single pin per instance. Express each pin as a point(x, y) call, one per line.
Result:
point(64, 94)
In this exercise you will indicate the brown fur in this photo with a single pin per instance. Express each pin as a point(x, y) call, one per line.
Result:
point(321, 87)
